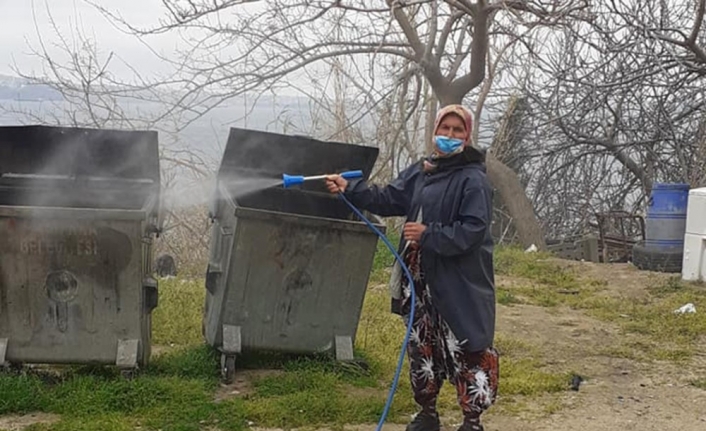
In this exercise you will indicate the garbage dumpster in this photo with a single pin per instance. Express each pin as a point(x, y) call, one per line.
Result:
point(288, 268)
point(78, 212)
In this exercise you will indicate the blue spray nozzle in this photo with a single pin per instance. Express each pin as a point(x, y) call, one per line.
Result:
point(292, 180)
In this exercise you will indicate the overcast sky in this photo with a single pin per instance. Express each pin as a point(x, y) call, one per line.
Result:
point(18, 32)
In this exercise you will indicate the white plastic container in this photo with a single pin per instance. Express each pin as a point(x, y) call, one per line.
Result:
point(694, 263)
point(696, 212)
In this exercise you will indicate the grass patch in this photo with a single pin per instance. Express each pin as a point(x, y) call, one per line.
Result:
point(653, 316)
point(384, 259)
point(701, 384)
point(177, 319)
point(189, 362)
point(543, 281)
point(537, 267)
point(506, 297)
point(523, 373)
point(310, 408)
point(24, 394)
point(514, 347)
point(108, 422)
point(550, 285)
point(671, 286)
point(673, 355)
point(177, 391)
point(169, 396)
point(380, 334)
point(621, 352)
point(525, 377)
point(383, 256)
point(664, 334)
point(528, 408)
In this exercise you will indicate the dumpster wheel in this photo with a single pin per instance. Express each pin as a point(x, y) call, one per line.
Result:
point(228, 368)
point(14, 368)
point(128, 373)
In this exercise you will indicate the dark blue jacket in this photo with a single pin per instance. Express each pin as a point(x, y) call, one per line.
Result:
point(457, 246)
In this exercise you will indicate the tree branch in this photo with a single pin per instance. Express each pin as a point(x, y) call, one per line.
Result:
point(479, 49)
point(698, 21)
point(409, 31)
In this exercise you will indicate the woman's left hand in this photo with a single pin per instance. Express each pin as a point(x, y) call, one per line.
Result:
point(413, 231)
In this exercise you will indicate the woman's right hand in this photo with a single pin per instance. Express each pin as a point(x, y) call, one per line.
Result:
point(336, 183)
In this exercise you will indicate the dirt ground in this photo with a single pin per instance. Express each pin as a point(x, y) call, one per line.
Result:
point(620, 394)
point(19, 423)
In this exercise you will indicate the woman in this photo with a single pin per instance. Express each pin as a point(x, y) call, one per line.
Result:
point(449, 250)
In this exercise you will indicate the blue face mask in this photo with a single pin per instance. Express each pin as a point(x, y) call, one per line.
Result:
point(446, 144)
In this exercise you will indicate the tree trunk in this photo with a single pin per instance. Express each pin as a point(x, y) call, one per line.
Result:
point(512, 193)
point(516, 201)
point(429, 124)
point(501, 177)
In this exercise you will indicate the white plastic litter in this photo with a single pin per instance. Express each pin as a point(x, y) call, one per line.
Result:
point(687, 308)
point(531, 249)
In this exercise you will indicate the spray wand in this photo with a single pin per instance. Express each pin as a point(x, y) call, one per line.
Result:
point(290, 180)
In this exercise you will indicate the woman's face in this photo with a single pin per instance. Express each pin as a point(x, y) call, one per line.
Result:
point(452, 126)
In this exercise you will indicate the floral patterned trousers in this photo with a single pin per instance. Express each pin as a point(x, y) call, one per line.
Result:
point(435, 354)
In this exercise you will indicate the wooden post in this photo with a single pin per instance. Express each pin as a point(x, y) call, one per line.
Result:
point(590, 249)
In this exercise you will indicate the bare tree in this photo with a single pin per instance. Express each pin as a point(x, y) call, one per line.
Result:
point(676, 23)
point(274, 44)
point(91, 96)
point(618, 107)
point(604, 99)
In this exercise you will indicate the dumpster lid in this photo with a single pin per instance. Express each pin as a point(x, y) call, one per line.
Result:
point(257, 154)
point(55, 153)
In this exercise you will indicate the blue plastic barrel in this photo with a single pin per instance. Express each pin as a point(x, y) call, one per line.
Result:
point(666, 216)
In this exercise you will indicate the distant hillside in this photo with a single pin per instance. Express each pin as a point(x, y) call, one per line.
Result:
point(274, 113)
point(18, 89)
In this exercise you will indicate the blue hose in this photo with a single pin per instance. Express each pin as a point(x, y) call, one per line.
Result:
point(400, 362)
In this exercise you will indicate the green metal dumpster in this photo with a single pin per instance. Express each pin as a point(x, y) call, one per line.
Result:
point(78, 213)
point(288, 268)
